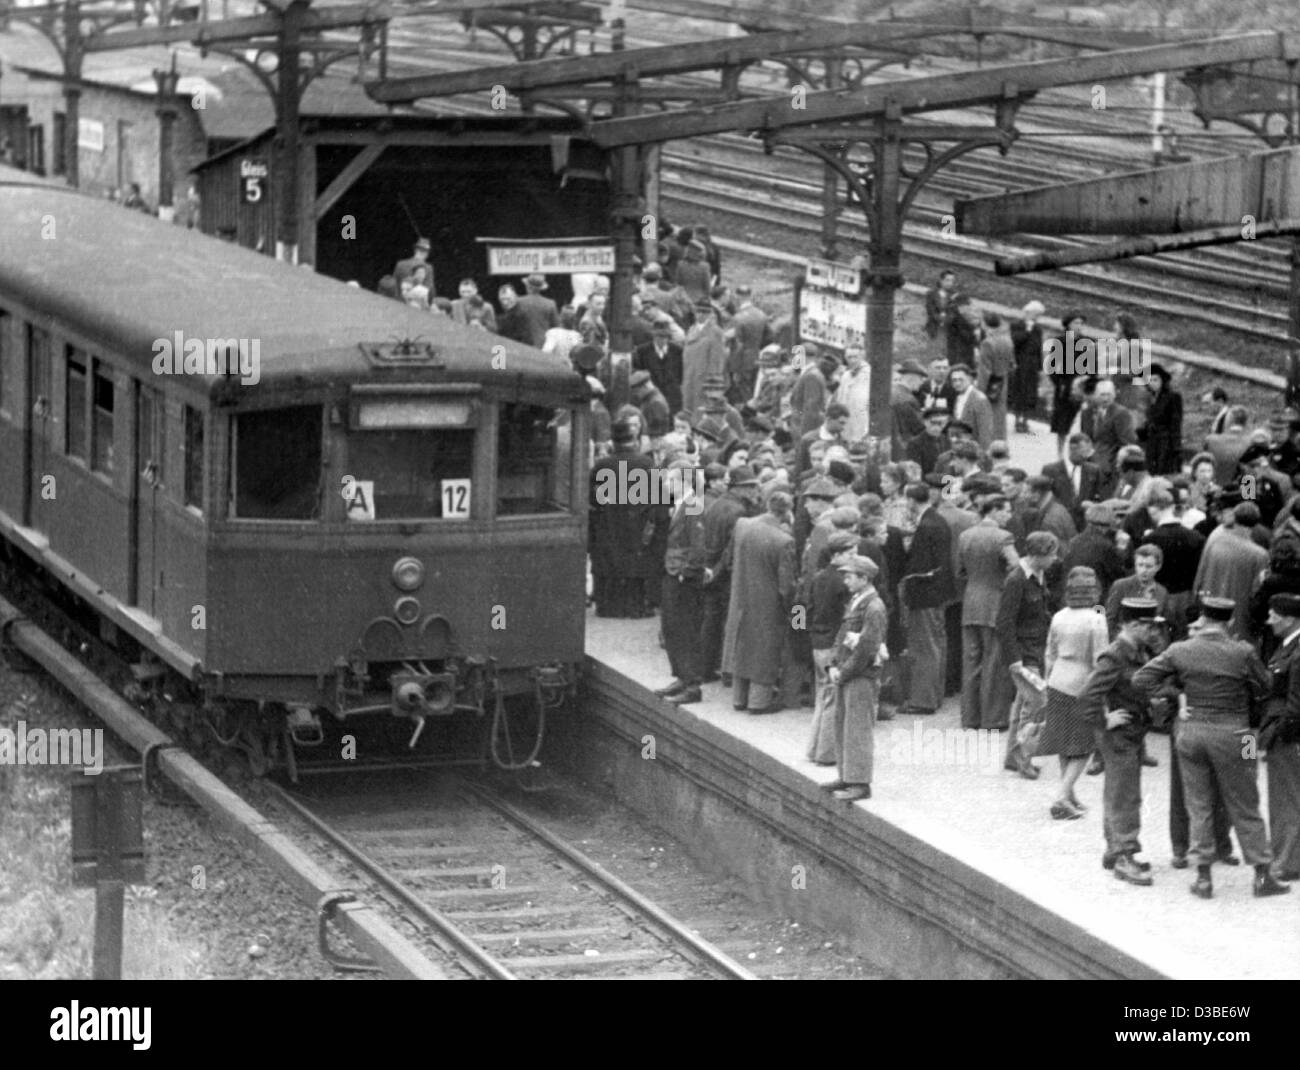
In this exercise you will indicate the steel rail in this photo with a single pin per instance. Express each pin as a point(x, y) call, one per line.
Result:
point(699, 949)
point(461, 941)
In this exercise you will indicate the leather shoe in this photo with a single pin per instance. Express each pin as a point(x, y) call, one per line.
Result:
point(1266, 884)
point(671, 689)
point(686, 697)
point(1127, 870)
point(1179, 862)
point(1288, 875)
point(1096, 767)
point(1203, 888)
point(726, 679)
point(1108, 862)
point(1149, 761)
point(1228, 859)
point(854, 792)
point(834, 785)
point(771, 707)
point(739, 707)
point(1064, 812)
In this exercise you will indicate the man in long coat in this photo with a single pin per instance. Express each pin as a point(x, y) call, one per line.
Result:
point(758, 616)
point(703, 357)
point(621, 527)
point(925, 589)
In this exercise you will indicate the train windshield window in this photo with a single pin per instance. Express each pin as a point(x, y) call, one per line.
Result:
point(76, 412)
point(410, 475)
point(277, 466)
point(534, 460)
point(101, 431)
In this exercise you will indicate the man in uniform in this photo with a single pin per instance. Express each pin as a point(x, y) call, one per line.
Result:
point(683, 592)
point(1120, 715)
point(1279, 735)
point(856, 677)
point(1223, 684)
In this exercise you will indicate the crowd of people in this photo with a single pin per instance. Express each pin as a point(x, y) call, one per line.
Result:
point(1133, 585)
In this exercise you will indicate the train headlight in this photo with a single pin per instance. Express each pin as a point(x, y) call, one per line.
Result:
point(408, 574)
point(407, 610)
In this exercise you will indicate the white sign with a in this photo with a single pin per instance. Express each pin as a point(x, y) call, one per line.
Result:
point(455, 499)
point(828, 275)
point(829, 319)
point(90, 135)
point(361, 506)
point(550, 259)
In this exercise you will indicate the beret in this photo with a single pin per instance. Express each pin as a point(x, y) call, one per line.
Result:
point(863, 566)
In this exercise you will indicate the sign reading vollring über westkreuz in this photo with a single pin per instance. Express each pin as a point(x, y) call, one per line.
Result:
point(550, 259)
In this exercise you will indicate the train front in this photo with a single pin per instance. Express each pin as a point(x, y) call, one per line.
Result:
point(434, 603)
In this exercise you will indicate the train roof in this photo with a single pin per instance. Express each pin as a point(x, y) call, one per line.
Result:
point(128, 280)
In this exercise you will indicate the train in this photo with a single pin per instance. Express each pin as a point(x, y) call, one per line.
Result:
point(312, 513)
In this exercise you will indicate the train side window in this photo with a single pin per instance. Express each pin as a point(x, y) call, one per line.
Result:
point(193, 458)
point(534, 460)
point(277, 470)
point(101, 428)
point(75, 408)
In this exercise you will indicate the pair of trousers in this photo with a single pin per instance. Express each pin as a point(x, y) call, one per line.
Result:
point(717, 597)
point(986, 690)
point(1121, 794)
point(1180, 836)
point(1284, 804)
point(855, 728)
point(822, 741)
point(1025, 708)
point(952, 628)
point(752, 695)
point(1213, 753)
point(927, 650)
point(683, 617)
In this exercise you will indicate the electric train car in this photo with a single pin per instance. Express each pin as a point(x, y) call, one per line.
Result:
point(317, 507)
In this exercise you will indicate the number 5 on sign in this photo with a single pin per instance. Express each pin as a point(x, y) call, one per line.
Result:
point(455, 499)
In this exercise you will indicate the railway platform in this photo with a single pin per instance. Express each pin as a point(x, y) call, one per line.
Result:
point(953, 867)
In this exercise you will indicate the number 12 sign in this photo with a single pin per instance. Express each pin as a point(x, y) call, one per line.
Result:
point(455, 499)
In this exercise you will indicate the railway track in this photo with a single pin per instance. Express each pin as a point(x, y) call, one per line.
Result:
point(504, 897)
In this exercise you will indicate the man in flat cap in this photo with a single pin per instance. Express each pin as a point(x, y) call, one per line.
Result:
point(714, 403)
point(927, 447)
point(1120, 715)
point(682, 600)
point(1270, 489)
point(905, 407)
point(1094, 548)
point(650, 400)
point(855, 673)
point(1279, 735)
point(1224, 685)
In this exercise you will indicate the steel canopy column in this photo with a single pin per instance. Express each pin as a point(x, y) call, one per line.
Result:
point(167, 82)
point(831, 180)
point(72, 56)
point(288, 97)
point(626, 213)
point(886, 271)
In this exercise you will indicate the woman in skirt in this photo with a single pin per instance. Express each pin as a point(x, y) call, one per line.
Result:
point(1077, 636)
